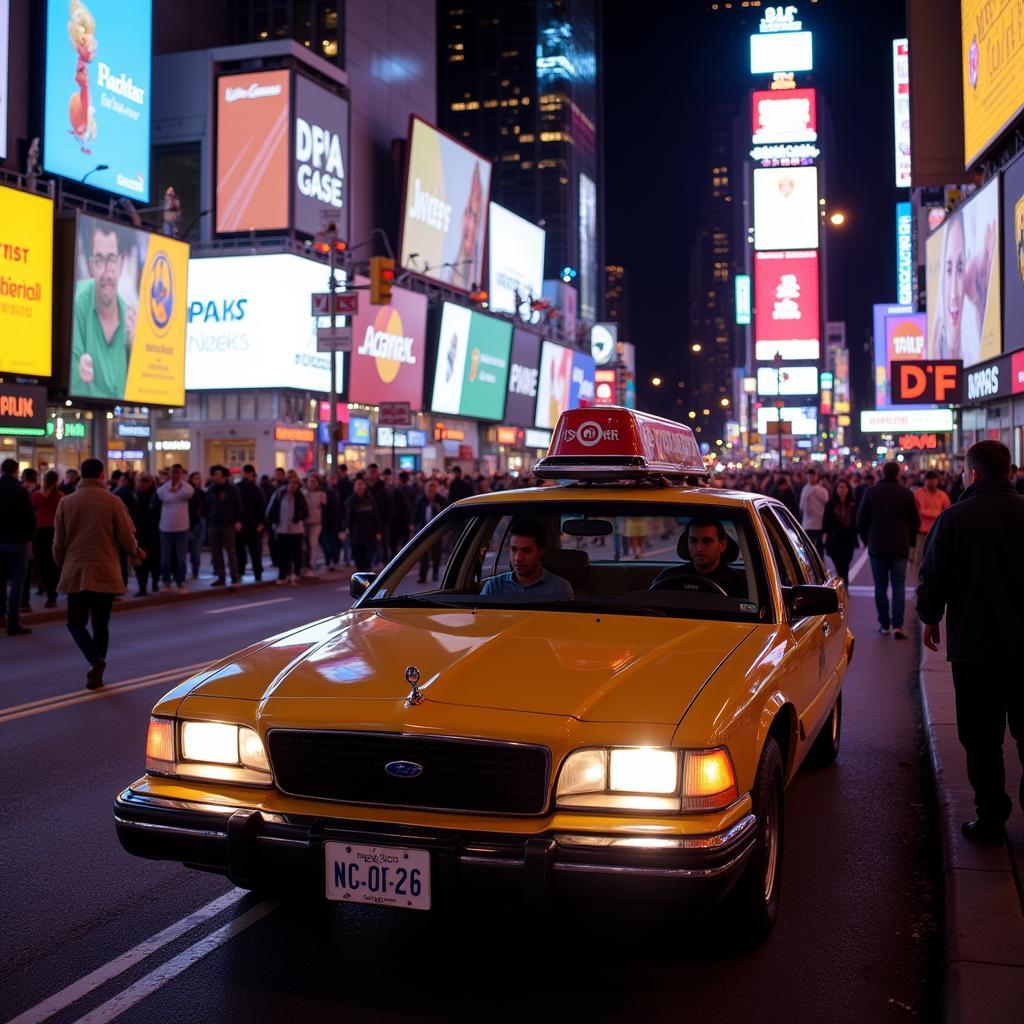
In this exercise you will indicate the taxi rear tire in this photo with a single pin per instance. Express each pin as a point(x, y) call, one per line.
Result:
point(825, 748)
point(753, 904)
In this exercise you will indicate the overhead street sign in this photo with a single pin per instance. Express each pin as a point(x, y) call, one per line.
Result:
point(338, 339)
point(345, 303)
point(394, 414)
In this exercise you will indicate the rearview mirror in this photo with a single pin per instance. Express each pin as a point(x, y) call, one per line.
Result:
point(809, 599)
point(360, 583)
point(587, 527)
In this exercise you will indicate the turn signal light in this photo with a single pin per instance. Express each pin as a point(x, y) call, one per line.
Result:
point(709, 780)
point(160, 745)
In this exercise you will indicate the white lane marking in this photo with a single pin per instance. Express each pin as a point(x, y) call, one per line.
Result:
point(75, 991)
point(66, 700)
point(859, 591)
point(250, 604)
point(858, 565)
point(155, 980)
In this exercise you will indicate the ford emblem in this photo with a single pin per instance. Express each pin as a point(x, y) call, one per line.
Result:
point(403, 769)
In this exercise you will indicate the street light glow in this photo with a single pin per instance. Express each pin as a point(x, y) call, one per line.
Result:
point(725, 403)
point(656, 381)
point(696, 346)
point(837, 218)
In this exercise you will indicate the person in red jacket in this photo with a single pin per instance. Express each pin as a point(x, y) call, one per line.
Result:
point(44, 504)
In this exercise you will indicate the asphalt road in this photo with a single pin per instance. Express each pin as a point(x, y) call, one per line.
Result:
point(92, 934)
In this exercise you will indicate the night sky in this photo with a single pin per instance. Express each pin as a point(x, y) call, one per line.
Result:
point(666, 63)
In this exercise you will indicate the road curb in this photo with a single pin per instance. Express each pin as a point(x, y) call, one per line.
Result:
point(983, 937)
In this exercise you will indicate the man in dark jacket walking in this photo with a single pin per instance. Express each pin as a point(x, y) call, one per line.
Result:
point(972, 570)
point(887, 521)
point(249, 540)
point(223, 522)
point(17, 524)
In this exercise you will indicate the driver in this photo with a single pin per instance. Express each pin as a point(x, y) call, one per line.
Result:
point(528, 580)
point(707, 542)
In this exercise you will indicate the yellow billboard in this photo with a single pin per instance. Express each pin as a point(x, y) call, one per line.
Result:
point(129, 315)
point(992, 59)
point(26, 283)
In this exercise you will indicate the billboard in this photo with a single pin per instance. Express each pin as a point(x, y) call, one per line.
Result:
point(98, 107)
point(787, 380)
point(581, 381)
point(447, 187)
point(900, 337)
point(901, 110)
point(894, 421)
point(781, 51)
point(249, 324)
point(1013, 257)
point(786, 305)
point(786, 211)
point(803, 419)
point(783, 115)
point(320, 159)
point(5, 21)
point(992, 61)
point(588, 249)
point(963, 281)
point(522, 379)
point(554, 384)
point(916, 382)
point(515, 260)
point(389, 345)
point(604, 340)
point(252, 151)
point(904, 254)
point(26, 283)
point(128, 317)
point(473, 354)
point(742, 299)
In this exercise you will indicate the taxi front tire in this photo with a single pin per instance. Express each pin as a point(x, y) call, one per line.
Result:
point(825, 749)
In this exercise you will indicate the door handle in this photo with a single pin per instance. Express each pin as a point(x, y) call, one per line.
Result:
point(826, 627)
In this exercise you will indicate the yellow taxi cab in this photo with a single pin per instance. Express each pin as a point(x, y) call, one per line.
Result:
point(592, 690)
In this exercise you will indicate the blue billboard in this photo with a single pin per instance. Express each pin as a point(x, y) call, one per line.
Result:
point(581, 384)
point(97, 113)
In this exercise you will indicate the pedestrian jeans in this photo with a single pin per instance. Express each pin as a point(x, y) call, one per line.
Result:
point(815, 537)
point(988, 695)
point(42, 551)
point(362, 555)
point(249, 542)
point(289, 554)
point(195, 545)
point(222, 541)
point(886, 571)
point(312, 544)
point(81, 606)
point(173, 553)
point(13, 565)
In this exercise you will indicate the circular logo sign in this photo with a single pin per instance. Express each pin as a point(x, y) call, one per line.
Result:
point(388, 322)
point(161, 293)
point(973, 58)
point(602, 344)
point(589, 433)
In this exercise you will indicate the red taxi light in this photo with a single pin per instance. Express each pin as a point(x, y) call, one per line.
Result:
point(612, 443)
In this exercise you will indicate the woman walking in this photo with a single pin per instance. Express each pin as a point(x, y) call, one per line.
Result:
point(316, 498)
point(196, 521)
point(286, 514)
point(360, 520)
point(840, 530)
point(44, 503)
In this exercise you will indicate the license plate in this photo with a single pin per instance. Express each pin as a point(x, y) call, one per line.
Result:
point(389, 876)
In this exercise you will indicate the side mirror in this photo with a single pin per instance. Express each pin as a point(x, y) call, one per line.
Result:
point(811, 599)
point(360, 582)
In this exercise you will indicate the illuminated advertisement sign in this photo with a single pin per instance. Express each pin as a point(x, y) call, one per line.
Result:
point(992, 59)
point(1013, 256)
point(784, 116)
point(803, 420)
point(445, 219)
point(604, 340)
point(26, 283)
point(98, 93)
point(581, 381)
point(780, 18)
point(22, 410)
point(249, 324)
point(781, 51)
point(389, 345)
point(128, 316)
point(926, 382)
point(473, 354)
point(5, 21)
point(588, 248)
point(522, 379)
point(790, 154)
point(904, 255)
point(515, 261)
point(555, 382)
point(786, 306)
point(742, 299)
point(787, 380)
point(898, 421)
point(320, 159)
point(786, 211)
point(883, 348)
point(963, 281)
point(901, 338)
point(252, 151)
point(901, 109)
point(604, 387)
point(358, 430)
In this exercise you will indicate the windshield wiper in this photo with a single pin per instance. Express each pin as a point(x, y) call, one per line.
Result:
point(603, 606)
point(413, 601)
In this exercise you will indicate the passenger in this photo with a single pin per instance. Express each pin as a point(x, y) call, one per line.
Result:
point(707, 543)
point(528, 580)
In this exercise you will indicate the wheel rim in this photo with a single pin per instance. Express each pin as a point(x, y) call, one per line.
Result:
point(771, 841)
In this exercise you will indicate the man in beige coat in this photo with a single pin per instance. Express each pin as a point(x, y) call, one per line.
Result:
point(91, 528)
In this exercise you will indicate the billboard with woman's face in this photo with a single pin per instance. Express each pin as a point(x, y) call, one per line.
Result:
point(964, 318)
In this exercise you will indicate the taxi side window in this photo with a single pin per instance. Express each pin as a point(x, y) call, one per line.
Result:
point(814, 571)
point(789, 571)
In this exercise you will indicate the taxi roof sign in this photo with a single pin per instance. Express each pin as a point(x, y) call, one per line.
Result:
point(612, 443)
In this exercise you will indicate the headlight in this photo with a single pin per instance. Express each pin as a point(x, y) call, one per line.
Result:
point(207, 750)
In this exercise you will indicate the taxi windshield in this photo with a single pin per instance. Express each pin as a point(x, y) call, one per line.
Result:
point(685, 560)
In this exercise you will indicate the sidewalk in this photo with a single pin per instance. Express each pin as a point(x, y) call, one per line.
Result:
point(197, 588)
point(983, 956)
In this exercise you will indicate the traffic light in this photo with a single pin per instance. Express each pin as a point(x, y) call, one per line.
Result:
point(382, 278)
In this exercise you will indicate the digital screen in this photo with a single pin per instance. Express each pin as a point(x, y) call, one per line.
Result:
point(588, 249)
point(781, 51)
point(445, 214)
point(249, 324)
point(742, 299)
point(901, 110)
point(581, 382)
point(554, 384)
point(787, 380)
point(1013, 256)
point(473, 353)
point(515, 261)
point(522, 379)
point(98, 106)
point(26, 283)
point(787, 310)
point(904, 254)
point(881, 351)
point(963, 281)
point(803, 420)
point(902, 338)
point(892, 421)
point(5, 20)
point(604, 340)
point(320, 159)
point(992, 51)
point(358, 430)
point(783, 115)
point(129, 314)
point(389, 345)
point(252, 151)
point(786, 208)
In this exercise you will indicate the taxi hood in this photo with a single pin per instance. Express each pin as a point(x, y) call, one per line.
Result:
point(598, 668)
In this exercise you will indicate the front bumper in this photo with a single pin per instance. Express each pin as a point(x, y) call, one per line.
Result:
point(256, 849)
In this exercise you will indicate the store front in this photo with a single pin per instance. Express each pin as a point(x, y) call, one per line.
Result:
point(456, 443)
point(61, 439)
point(993, 406)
